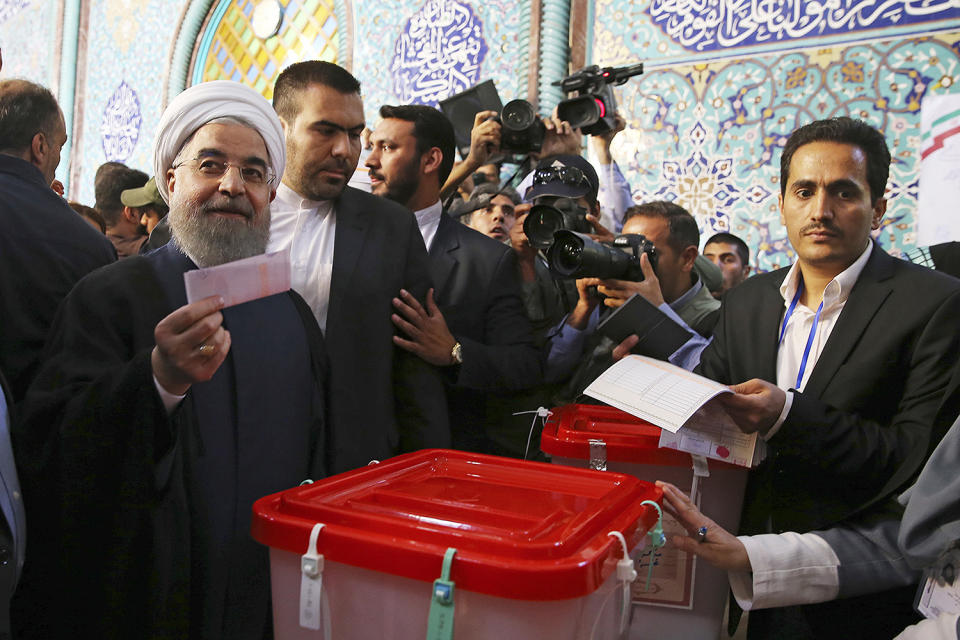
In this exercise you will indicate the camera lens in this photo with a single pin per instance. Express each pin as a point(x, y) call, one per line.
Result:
point(541, 224)
point(517, 115)
point(568, 256)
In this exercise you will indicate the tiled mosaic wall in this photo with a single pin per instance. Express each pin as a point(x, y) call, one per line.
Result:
point(28, 36)
point(423, 51)
point(129, 42)
point(724, 88)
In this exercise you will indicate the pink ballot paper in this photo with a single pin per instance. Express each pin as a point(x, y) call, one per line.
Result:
point(242, 280)
point(678, 402)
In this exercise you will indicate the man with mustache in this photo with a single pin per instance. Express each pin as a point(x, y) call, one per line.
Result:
point(472, 324)
point(351, 253)
point(839, 362)
point(154, 424)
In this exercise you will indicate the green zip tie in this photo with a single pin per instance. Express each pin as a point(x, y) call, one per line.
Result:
point(657, 539)
point(440, 623)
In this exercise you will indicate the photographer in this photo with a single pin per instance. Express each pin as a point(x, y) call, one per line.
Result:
point(567, 182)
point(676, 289)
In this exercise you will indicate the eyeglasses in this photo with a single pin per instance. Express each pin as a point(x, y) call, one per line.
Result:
point(570, 176)
point(210, 168)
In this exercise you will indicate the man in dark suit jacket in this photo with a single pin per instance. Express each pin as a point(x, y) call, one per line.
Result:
point(473, 324)
point(351, 254)
point(45, 247)
point(840, 362)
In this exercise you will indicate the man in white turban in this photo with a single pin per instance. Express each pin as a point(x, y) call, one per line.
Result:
point(154, 424)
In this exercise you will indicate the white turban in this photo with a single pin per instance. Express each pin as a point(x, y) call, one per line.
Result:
point(208, 101)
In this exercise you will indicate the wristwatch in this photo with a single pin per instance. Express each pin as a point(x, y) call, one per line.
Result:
point(456, 354)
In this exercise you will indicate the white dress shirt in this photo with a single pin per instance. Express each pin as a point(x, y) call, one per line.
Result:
point(788, 563)
point(429, 220)
point(308, 228)
point(800, 323)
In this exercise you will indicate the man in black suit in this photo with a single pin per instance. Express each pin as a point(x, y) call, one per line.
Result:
point(840, 362)
point(45, 247)
point(474, 326)
point(351, 253)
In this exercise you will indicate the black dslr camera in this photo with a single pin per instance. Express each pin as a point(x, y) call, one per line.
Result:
point(544, 220)
point(594, 108)
point(577, 255)
point(521, 130)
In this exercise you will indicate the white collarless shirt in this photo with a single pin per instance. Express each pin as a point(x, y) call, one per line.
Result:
point(429, 221)
point(308, 228)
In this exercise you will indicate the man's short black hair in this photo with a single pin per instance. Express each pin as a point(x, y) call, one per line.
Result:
point(297, 77)
point(430, 128)
point(847, 131)
point(728, 238)
point(111, 179)
point(683, 226)
point(26, 109)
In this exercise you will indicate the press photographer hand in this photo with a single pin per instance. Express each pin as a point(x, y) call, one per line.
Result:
point(618, 292)
point(484, 139)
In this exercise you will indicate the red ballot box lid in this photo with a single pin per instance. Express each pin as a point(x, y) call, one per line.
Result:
point(523, 530)
point(568, 431)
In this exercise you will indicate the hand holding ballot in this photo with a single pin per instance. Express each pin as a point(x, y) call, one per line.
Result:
point(754, 405)
point(682, 404)
point(191, 345)
point(191, 341)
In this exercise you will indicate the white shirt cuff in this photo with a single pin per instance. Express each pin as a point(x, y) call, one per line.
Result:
point(788, 569)
point(787, 403)
point(943, 627)
point(170, 401)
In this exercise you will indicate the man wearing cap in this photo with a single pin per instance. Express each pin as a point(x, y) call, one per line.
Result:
point(351, 253)
point(145, 204)
point(476, 330)
point(155, 423)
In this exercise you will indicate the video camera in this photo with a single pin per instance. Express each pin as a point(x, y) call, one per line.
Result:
point(577, 255)
point(594, 108)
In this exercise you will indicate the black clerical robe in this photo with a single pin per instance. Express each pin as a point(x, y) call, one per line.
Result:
point(140, 520)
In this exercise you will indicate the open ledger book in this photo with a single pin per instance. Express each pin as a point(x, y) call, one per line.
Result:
point(678, 402)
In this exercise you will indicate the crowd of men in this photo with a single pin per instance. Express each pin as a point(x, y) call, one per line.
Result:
point(421, 315)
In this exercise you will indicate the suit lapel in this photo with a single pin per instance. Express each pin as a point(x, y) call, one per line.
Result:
point(869, 292)
point(767, 331)
point(350, 234)
point(443, 256)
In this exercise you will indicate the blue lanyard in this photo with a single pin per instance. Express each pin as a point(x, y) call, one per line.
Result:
point(813, 330)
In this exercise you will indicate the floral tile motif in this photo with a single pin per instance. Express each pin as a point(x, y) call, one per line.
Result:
point(709, 135)
point(120, 127)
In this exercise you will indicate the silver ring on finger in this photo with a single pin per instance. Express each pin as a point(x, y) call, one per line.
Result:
point(701, 534)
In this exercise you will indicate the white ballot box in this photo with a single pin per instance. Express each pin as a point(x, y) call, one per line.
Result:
point(465, 546)
point(687, 597)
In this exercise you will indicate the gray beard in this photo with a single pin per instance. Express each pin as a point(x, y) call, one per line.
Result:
point(210, 240)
